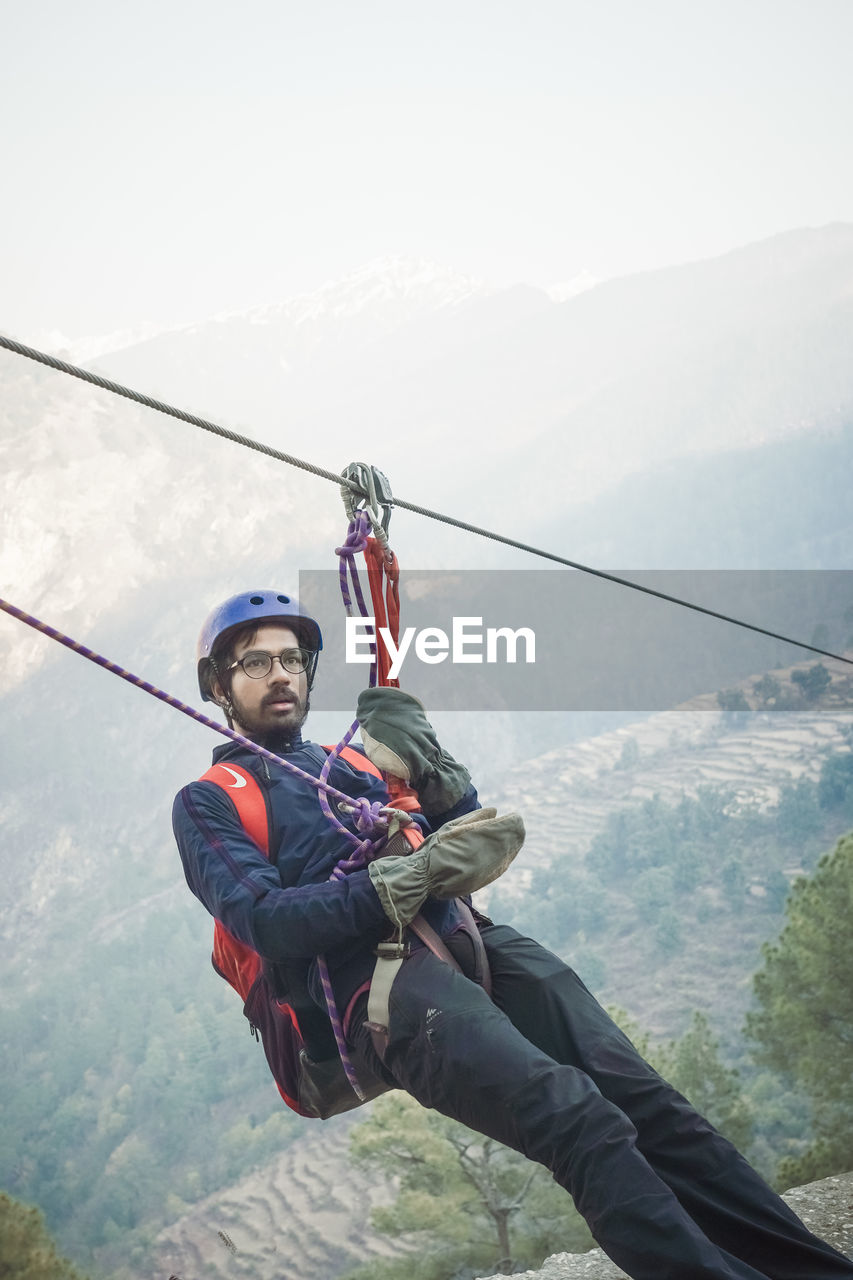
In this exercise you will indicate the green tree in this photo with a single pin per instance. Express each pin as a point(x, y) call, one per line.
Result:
point(768, 689)
point(734, 882)
point(687, 865)
point(835, 786)
point(804, 1023)
point(694, 1067)
point(813, 683)
point(630, 756)
point(28, 1252)
point(462, 1200)
point(653, 892)
point(797, 815)
point(668, 934)
point(732, 702)
point(848, 618)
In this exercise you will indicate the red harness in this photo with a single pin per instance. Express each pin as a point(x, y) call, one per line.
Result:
point(311, 1089)
point(238, 963)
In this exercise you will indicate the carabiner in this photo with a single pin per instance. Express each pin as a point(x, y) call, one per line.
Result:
point(367, 489)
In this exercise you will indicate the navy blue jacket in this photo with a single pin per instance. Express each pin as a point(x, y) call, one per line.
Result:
point(286, 908)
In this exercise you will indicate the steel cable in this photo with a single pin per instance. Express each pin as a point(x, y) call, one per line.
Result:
point(86, 375)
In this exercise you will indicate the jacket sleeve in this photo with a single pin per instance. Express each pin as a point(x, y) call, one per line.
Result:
point(467, 804)
point(228, 873)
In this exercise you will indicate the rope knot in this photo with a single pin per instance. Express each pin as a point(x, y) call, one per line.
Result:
point(369, 819)
point(357, 535)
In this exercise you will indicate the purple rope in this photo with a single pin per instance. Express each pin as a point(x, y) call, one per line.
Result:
point(355, 542)
point(368, 816)
point(365, 812)
point(337, 1027)
point(324, 774)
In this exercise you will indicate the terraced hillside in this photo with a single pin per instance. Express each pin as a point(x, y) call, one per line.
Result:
point(303, 1217)
point(566, 795)
point(664, 949)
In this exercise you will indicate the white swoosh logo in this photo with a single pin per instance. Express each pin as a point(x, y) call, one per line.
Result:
point(238, 781)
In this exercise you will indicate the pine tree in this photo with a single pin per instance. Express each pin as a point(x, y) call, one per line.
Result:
point(693, 1066)
point(804, 1026)
point(28, 1252)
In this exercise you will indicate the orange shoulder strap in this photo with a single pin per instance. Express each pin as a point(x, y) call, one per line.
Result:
point(243, 789)
point(248, 799)
point(357, 760)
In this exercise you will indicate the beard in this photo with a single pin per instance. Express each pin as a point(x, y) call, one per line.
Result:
point(269, 724)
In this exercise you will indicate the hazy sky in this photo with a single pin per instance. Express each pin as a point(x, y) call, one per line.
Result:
point(167, 160)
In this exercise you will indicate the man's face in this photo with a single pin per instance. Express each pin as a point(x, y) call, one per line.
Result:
point(278, 702)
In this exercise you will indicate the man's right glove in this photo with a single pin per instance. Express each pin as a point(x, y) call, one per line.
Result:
point(463, 856)
point(398, 738)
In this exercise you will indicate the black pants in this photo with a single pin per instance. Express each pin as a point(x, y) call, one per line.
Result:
point(541, 1068)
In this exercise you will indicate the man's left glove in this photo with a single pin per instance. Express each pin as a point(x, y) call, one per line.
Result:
point(399, 739)
point(462, 857)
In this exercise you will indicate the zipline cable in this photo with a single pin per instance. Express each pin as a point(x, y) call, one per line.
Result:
point(85, 375)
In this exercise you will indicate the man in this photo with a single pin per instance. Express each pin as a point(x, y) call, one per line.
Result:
point(537, 1064)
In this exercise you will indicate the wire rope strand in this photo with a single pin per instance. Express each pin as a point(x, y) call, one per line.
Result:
point(96, 380)
point(617, 580)
point(74, 371)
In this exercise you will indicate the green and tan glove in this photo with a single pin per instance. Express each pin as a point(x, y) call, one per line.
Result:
point(464, 856)
point(399, 739)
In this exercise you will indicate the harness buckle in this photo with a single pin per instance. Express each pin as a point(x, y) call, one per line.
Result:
point(393, 950)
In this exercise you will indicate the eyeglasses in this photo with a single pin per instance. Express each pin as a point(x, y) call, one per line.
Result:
point(258, 664)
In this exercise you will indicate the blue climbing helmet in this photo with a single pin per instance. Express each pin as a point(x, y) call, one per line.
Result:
point(255, 606)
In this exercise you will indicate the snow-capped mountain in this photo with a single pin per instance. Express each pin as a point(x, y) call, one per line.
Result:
point(400, 286)
point(565, 289)
point(435, 376)
point(93, 346)
point(407, 284)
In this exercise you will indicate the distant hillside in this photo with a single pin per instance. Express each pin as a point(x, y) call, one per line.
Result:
point(723, 354)
point(783, 504)
point(116, 518)
point(303, 1214)
point(661, 853)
